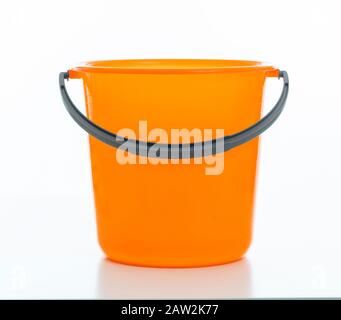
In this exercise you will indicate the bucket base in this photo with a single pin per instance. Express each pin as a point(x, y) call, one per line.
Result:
point(177, 264)
point(163, 258)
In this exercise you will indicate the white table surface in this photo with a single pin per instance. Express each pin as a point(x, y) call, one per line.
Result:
point(49, 250)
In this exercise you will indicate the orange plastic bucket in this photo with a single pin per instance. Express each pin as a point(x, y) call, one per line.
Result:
point(191, 207)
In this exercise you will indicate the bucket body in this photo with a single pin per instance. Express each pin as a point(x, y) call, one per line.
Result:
point(174, 214)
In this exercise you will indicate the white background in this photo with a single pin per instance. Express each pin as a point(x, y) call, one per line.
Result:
point(48, 245)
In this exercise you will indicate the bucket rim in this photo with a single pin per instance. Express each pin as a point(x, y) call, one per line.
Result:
point(171, 66)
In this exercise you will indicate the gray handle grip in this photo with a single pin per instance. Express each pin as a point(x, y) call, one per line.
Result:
point(171, 151)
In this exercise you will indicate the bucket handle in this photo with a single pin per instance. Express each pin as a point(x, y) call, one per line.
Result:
point(175, 151)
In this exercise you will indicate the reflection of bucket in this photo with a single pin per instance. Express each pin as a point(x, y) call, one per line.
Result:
point(173, 215)
point(117, 281)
